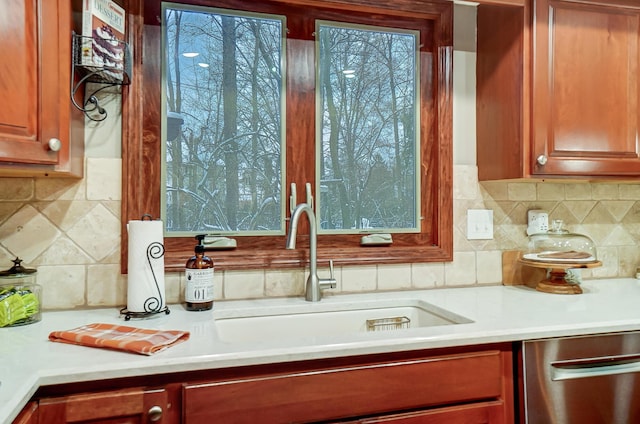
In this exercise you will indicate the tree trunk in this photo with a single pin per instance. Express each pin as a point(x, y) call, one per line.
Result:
point(230, 112)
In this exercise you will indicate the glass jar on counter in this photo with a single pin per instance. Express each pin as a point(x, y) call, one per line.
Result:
point(20, 296)
point(560, 245)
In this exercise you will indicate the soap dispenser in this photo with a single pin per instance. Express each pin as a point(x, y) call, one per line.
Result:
point(198, 294)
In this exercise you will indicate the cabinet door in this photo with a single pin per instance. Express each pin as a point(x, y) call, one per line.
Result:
point(586, 88)
point(28, 415)
point(477, 413)
point(114, 407)
point(36, 119)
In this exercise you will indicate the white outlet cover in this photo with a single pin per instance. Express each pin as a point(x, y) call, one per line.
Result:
point(479, 224)
point(537, 221)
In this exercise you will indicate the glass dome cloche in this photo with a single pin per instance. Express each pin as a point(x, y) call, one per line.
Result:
point(558, 245)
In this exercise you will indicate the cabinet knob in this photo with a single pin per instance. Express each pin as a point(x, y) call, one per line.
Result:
point(542, 160)
point(54, 144)
point(155, 413)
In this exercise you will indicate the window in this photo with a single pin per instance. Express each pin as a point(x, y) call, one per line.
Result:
point(368, 135)
point(224, 81)
point(352, 98)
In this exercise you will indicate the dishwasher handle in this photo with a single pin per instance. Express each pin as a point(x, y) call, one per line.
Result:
point(595, 367)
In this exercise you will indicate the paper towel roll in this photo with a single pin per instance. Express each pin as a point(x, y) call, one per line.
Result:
point(145, 288)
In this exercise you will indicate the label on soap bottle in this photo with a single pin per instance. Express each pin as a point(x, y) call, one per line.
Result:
point(199, 286)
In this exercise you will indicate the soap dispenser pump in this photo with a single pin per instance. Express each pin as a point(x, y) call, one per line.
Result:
point(198, 294)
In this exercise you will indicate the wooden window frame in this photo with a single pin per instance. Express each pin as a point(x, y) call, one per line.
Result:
point(141, 143)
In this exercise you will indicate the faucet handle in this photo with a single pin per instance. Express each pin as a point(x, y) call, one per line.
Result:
point(292, 198)
point(307, 187)
point(329, 283)
point(331, 269)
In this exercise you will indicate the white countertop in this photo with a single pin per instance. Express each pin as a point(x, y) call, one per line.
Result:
point(28, 360)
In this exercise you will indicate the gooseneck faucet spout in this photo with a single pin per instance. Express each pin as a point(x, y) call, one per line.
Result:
point(314, 286)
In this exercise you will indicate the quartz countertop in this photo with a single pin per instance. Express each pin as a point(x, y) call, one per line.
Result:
point(499, 314)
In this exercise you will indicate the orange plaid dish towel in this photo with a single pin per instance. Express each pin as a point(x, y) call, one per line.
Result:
point(120, 337)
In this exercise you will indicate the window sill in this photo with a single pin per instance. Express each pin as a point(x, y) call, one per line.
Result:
point(177, 251)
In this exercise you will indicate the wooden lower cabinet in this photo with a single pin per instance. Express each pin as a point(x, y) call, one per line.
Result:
point(128, 406)
point(28, 415)
point(465, 385)
point(478, 383)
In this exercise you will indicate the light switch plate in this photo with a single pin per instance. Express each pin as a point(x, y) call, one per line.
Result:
point(479, 224)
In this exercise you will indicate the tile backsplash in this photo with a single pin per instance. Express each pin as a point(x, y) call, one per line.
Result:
point(70, 231)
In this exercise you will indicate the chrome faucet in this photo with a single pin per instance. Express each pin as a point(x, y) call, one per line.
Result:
point(313, 290)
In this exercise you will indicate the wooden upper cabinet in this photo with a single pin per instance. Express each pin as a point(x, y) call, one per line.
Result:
point(36, 111)
point(585, 112)
point(558, 81)
point(502, 91)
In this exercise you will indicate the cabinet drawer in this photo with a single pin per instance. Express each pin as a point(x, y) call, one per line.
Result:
point(333, 393)
point(477, 413)
point(118, 406)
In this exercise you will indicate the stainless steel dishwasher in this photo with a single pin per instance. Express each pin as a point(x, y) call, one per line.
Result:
point(587, 379)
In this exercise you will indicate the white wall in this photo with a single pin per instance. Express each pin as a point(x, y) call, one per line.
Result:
point(464, 85)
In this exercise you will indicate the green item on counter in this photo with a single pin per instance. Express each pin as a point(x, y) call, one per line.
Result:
point(31, 304)
point(17, 305)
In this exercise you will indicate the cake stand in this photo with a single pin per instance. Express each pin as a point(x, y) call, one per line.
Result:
point(556, 281)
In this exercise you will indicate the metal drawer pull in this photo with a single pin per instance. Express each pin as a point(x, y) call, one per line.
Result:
point(155, 413)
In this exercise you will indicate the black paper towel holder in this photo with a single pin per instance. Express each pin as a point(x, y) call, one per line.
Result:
point(142, 315)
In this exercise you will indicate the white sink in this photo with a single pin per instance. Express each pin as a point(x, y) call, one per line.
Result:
point(329, 319)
